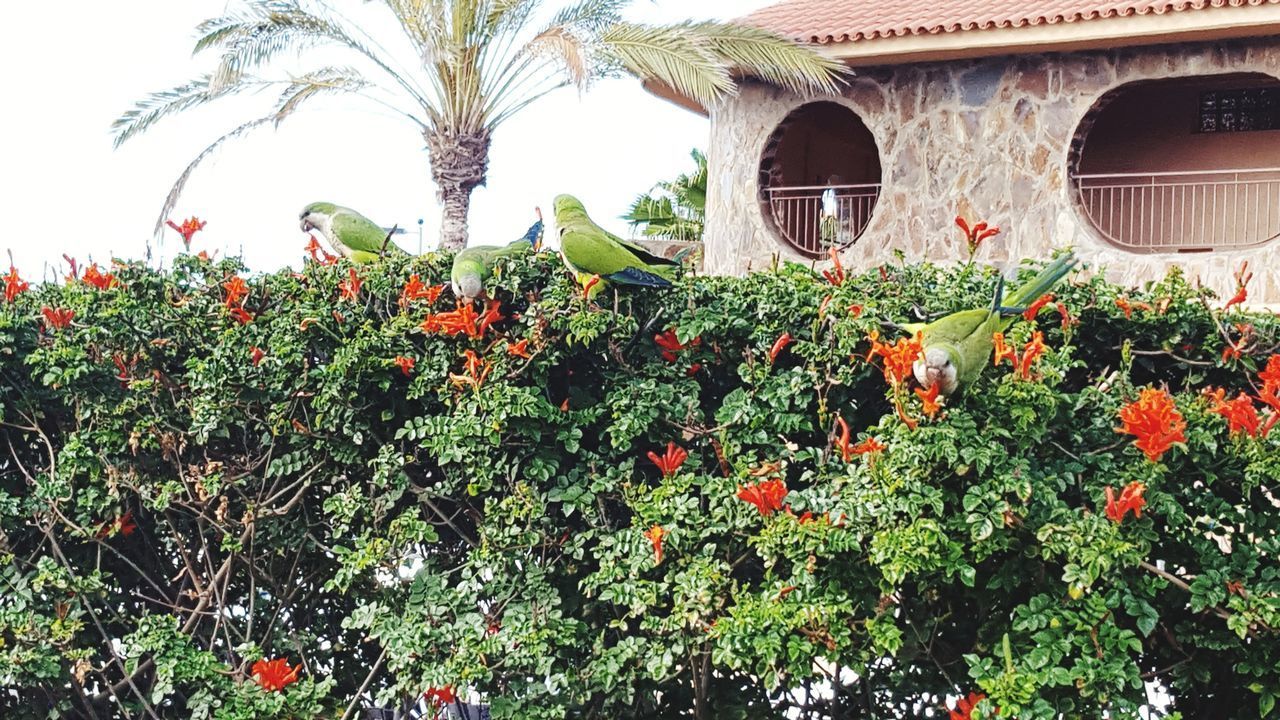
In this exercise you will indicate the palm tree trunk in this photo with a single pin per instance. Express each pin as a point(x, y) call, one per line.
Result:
point(459, 163)
point(453, 222)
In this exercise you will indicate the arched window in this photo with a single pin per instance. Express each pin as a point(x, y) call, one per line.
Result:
point(1183, 165)
point(820, 178)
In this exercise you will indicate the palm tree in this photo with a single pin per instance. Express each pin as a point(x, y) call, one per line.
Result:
point(459, 68)
point(675, 209)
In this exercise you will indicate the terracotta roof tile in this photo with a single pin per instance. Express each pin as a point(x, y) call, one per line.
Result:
point(830, 21)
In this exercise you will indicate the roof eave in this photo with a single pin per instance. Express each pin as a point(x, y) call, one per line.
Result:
point(1228, 23)
point(1129, 31)
point(671, 95)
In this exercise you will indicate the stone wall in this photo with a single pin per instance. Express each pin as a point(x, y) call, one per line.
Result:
point(986, 139)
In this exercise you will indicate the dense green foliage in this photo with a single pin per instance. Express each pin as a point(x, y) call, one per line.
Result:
point(393, 533)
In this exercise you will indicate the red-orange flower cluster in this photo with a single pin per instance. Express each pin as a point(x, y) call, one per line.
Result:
point(124, 370)
point(187, 229)
point(930, 399)
point(440, 696)
point(654, 535)
point(670, 461)
point(1236, 348)
point(1270, 375)
point(870, 446)
point(842, 439)
point(98, 279)
point(57, 318)
point(1034, 308)
point(976, 235)
point(405, 364)
point(1243, 276)
point(121, 525)
point(1067, 318)
point(14, 285)
point(349, 289)
point(766, 496)
point(1031, 352)
point(1155, 422)
point(274, 675)
point(898, 358)
point(1270, 392)
point(1130, 500)
point(475, 371)
point(836, 275)
point(778, 346)
point(318, 253)
point(1128, 306)
point(1240, 413)
point(671, 345)
point(415, 290)
point(965, 706)
point(464, 321)
point(520, 349)
point(236, 291)
point(255, 355)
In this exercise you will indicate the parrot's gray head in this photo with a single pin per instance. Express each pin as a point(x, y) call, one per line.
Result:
point(937, 368)
point(468, 287)
point(316, 215)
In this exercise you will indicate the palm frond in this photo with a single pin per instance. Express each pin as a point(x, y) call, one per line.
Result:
point(171, 201)
point(590, 17)
point(217, 31)
point(315, 83)
point(511, 15)
point(668, 54)
point(258, 39)
point(567, 50)
point(674, 209)
point(800, 68)
point(159, 105)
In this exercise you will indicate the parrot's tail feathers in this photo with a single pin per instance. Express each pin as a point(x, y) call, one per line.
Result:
point(636, 276)
point(533, 236)
point(997, 301)
point(1044, 281)
point(905, 328)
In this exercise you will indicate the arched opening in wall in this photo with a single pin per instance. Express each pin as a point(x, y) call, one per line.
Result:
point(1186, 164)
point(820, 178)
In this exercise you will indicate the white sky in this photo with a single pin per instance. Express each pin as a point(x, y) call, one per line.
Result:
point(73, 67)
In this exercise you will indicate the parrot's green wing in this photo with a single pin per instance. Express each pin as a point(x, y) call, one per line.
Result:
point(956, 327)
point(595, 252)
point(361, 234)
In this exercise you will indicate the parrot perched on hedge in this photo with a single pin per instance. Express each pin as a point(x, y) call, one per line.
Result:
point(590, 252)
point(474, 265)
point(351, 234)
point(957, 347)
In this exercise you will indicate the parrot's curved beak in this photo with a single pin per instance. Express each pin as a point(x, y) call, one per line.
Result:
point(306, 224)
point(931, 376)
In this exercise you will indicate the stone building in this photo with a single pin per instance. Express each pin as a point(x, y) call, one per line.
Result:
point(1144, 133)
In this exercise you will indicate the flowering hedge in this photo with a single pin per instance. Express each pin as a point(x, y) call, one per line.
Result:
point(303, 495)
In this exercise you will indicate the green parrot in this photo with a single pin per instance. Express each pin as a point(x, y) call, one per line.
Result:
point(590, 252)
point(957, 347)
point(473, 266)
point(351, 234)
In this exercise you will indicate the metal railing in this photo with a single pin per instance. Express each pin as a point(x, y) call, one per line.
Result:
point(1186, 211)
point(815, 218)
